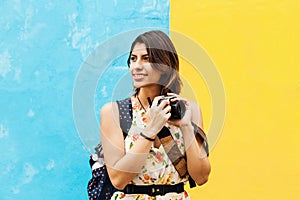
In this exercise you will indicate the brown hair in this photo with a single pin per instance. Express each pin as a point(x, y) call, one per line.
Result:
point(163, 57)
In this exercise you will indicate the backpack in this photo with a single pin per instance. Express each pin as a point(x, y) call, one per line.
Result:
point(99, 186)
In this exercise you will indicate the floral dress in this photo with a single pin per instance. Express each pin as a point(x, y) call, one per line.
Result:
point(158, 168)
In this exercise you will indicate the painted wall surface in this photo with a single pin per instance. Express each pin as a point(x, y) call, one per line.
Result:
point(254, 45)
point(42, 47)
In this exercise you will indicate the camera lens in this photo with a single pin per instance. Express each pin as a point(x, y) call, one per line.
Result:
point(177, 110)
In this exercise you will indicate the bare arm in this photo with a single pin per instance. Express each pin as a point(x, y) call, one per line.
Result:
point(124, 166)
point(197, 161)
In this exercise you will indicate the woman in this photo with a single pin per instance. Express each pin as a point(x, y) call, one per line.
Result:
point(140, 159)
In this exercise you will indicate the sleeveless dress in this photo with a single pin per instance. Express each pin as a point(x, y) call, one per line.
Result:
point(158, 168)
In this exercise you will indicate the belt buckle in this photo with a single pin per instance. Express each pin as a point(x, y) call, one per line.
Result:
point(155, 191)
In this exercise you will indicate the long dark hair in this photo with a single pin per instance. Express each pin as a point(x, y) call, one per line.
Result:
point(163, 57)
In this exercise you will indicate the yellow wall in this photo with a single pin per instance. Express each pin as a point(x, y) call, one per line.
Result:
point(255, 46)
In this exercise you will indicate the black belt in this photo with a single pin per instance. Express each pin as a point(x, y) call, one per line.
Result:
point(153, 190)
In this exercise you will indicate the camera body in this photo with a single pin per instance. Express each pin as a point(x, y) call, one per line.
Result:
point(177, 107)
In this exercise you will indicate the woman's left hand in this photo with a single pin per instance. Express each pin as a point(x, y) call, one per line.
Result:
point(187, 118)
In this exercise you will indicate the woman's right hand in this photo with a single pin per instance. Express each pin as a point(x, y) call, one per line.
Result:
point(157, 116)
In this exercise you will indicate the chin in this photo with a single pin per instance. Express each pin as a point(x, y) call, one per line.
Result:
point(138, 85)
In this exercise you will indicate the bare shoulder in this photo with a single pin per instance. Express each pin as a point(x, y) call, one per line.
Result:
point(111, 134)
point(194, 104)
point(108, 107)
point(109, 115)
point(195, 107)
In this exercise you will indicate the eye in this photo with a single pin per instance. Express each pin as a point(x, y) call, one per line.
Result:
point(146, 58)
point(132, 58)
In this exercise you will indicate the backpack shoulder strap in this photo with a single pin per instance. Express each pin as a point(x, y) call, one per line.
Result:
point(125, 115)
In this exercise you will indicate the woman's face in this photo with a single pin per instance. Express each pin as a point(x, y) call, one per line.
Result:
point(142, 72)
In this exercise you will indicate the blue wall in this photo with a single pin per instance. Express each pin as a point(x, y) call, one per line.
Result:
point(43, 46)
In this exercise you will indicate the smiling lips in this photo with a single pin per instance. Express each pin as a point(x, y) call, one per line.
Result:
point(138, 77)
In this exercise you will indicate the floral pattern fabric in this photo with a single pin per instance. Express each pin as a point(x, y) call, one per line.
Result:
point(158, 168)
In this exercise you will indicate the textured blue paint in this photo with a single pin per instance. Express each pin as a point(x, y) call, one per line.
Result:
point(42, 46)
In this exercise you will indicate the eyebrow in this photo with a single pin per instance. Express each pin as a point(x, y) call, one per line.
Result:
point(142, 55)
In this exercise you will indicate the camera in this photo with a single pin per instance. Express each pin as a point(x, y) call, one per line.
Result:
point(177, 107)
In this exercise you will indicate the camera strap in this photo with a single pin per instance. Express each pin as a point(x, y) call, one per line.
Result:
point(178, 160)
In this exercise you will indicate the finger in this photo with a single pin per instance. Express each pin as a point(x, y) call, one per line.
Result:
point(167, 109)
point(167, 116)
point(155, 100)
point(175, 99)
point(163, 104)
point(178, 98)
point(172, 94)
point(160, 102)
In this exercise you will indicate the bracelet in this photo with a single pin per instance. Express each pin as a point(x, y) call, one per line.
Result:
point(147, 138)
